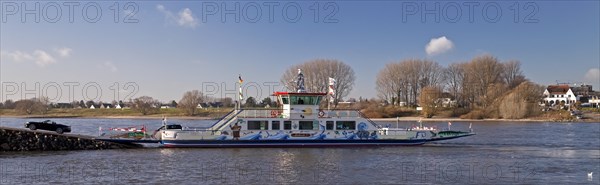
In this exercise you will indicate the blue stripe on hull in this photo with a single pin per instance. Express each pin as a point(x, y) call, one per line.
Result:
point(288, 143)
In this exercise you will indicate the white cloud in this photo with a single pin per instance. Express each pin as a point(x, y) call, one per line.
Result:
point(40, 57)
point(64, 52)
point(438, 46)
point(110, 66)
point(593, 75)
point(18, 56)
point(160, 8)
point(184, 18)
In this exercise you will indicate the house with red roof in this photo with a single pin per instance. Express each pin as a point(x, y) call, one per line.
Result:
point(557, 94)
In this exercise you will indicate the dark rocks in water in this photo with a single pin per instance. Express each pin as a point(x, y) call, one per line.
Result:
point(5, 146)
point(12, 139)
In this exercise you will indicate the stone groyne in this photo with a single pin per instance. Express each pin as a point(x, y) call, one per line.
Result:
point(14, 139)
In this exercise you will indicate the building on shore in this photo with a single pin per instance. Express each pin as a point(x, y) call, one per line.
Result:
point(563, 94)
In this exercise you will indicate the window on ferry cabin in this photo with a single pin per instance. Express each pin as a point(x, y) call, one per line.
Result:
point(345, 125)
point(287, 125)
point(315, 100)
point(257, 125)
point(306, 125)
point(303, 100)
point(275, 125)
point(329, 125)
point(285, 100)
point(294, 100)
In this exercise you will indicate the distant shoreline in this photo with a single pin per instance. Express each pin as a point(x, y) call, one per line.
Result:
point(109, 117)
point(416, 119)
point(401, 119)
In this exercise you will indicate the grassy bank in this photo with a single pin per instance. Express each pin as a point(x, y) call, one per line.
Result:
point(119, 113)
point(380, 114)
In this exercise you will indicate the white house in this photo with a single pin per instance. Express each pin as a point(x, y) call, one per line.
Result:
point(557, 94)
point(166, 107)
point(118, 106)
point(92, 107)
point(203, 106)
point(595, 101)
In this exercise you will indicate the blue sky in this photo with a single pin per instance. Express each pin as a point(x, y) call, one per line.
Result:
point(184, 45)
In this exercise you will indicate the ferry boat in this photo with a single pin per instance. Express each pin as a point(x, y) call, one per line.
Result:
point(299, 122)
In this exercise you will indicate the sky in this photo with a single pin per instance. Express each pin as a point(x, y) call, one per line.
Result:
point(116, 50)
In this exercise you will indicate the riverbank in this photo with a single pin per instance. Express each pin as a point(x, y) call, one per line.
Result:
point(416, 119)
point(401, 119)
point(588, 117)
point(202, 114)
point(210, 114)
point(151, 117)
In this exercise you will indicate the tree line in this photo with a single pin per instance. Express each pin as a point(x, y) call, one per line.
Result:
point(484, 84)
point(481, 87)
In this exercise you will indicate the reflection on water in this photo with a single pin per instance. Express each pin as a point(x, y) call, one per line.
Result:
point(501, 153)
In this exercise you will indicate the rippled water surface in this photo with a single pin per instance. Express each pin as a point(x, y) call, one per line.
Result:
point(500, 153)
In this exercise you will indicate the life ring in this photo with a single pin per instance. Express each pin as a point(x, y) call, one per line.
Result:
point(321, 114)
point(274, 113)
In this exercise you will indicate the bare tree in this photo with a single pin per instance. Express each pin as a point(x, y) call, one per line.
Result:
point(512, 74)
point(403, 81)
point(386, 84)
point(316, 75)
point(9, 104)
point(522, 102)
point(189, 102)
point(227, 101)
point(429, 100)
point(480, 73)
point(146, 105)
point(455, 76)
point(34, 105)
point(25, 106)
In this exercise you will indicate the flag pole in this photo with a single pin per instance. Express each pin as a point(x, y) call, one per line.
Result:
point(240, 95)
point(237, 105)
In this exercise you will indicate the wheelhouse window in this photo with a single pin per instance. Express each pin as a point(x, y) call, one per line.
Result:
point(294, 100)
point(305, 100)
point(287, 125)
point(257, 125)
point(285, 100)
point(345, 125)
point(275, 125)
point(306, 125)
point(329, 125)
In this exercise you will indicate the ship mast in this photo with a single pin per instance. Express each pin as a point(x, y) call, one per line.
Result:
point(300, 82)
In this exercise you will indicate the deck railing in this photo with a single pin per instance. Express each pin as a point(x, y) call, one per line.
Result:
point(260, 113)
point(277, 113)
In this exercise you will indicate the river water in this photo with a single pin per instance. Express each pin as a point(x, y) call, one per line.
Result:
point(500, 153)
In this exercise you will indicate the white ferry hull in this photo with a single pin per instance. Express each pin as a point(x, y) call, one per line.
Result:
point(298, 142)
point(286, 143)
